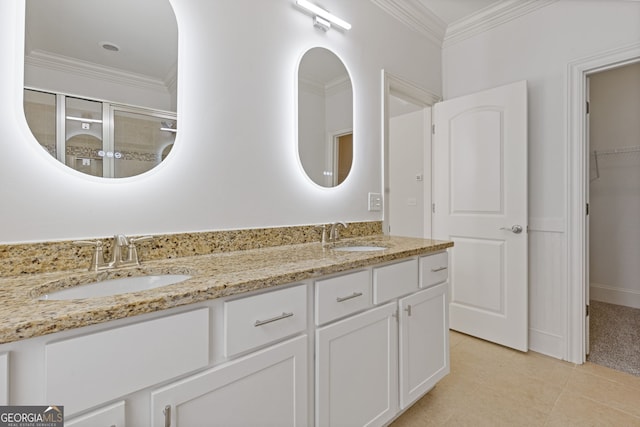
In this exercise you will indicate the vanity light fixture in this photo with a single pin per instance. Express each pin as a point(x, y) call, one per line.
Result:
point(322, 18)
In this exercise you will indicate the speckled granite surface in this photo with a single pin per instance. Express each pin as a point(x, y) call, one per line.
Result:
point(22, 315)
point(21, 259)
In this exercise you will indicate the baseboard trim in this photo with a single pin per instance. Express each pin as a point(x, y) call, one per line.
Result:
point(612, 295)
point(546, 343)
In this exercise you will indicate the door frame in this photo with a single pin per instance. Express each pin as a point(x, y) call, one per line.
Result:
point(410, 92)
point(578, 187)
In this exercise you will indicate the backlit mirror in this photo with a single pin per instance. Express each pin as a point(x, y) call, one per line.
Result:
point(325, 117)
point(100, 82)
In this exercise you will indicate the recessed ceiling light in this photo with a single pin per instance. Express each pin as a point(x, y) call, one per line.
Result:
point(111, 47)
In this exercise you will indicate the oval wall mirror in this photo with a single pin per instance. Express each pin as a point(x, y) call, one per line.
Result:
point(100, 82)
point(325, 117)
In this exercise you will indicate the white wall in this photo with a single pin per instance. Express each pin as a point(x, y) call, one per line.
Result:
point(538, 48)
point(615, 196)
point(235, 163)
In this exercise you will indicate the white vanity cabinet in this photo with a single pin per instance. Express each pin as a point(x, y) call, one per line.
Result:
point(375, 363)
point(355, 369)
point(4, 378)
point(109, 416)
point(424, 342)
point(350, 349)
point(267, 387)
point(88, 370)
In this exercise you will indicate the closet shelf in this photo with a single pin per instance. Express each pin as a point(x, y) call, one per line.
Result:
point(621, 150)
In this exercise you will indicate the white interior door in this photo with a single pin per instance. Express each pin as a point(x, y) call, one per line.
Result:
point(480, 195)
point(409, 179)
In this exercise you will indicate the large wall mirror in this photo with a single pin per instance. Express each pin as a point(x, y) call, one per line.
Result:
point(100, 82)
point(325, 117)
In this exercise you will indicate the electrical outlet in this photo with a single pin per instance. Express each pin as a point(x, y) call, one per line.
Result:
point(375, 202)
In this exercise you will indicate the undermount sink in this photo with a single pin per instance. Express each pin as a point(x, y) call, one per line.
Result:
point(359, 248)
point(118, 286)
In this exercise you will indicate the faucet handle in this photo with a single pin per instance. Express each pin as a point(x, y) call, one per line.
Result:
point(132, 250)
point(323, 233)
point(97, 258)
point(134, 240)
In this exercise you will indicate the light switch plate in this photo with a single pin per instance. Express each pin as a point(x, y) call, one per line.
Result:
point(375, 202)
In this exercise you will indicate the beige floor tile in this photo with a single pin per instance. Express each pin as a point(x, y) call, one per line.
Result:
point(611, 374)
point(576, 410)
point(535, 393)
point(544, 368)
point(487, 408)
point(605, 391)
point(491, 385)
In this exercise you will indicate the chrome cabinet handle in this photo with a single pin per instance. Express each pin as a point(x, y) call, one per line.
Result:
point(353, 295)
point(167, 416)
point(273, 319)
point(408, 309)
point(516, 229)
point(435, 270)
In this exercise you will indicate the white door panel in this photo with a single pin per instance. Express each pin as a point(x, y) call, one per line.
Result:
point(480, 193)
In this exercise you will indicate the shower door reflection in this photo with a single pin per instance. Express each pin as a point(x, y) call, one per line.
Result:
point(99, 138)
point(141, 140)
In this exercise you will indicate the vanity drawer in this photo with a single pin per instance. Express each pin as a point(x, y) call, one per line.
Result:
point(391, 281)
point(260, 319)
point(434, 269)
point(91, 369)
point(340, 296)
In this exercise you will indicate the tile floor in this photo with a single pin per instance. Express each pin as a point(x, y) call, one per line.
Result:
point(490, 385)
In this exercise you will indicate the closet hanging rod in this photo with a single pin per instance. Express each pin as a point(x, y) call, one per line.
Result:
point(622, 150)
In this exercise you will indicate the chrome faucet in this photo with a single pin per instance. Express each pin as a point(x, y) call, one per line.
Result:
point(119, 244)
point(333, 231)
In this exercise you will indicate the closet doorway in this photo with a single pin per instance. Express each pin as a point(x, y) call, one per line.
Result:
point(614, 218)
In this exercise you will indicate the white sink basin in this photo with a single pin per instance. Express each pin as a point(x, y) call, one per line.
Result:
point(116, 286)
point(359, 248)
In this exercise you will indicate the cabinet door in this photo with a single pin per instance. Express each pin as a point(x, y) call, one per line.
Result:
point(109, 416)
point(424, 342)
point(356, 369)
point(4, 378)
point(265, 388)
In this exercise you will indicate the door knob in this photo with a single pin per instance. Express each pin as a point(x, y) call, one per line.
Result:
point(516, 229)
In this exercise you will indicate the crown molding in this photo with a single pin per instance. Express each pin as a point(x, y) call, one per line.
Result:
point(45, 60)
point(416, 16)
point(490, 17)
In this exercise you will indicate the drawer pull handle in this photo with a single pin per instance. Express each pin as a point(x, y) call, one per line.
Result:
point(408, 309)
point(353, 295)
point(273, 319)
point(435, 270)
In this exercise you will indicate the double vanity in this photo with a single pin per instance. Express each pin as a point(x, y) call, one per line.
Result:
point(299, 334)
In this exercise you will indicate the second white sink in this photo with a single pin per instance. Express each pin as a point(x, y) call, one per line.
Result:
point(116, 286)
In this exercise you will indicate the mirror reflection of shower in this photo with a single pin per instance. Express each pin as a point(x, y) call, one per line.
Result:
point(100, 138)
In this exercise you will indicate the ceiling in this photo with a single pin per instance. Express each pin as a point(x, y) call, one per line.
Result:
point(72, 30)
point(453, 10)
point(144, 30)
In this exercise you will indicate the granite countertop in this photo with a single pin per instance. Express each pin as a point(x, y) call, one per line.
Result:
point(23, 315)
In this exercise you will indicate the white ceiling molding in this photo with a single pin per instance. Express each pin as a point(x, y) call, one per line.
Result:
point(490, 17)
point(416, 16)
point(41, 59)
